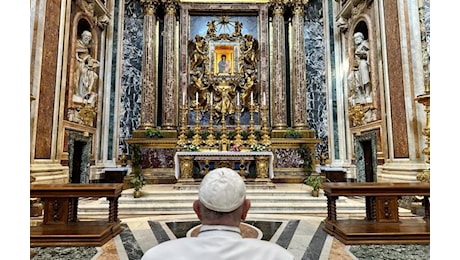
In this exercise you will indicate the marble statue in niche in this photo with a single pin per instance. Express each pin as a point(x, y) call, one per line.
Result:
point(86, 78)
point(85, 82)
point(359, 78)
point(361, 109)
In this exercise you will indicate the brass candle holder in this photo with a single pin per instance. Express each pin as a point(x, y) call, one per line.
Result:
point(238, 138)
point(197, 137)
point(224, 138)
point(182, 141)
point(425, 100)
point(251, 138)
point(265, 140)
point(210, 139)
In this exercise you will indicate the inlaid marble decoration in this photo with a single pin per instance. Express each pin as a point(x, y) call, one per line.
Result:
point(426, 10)
point(288, 158)
point(316, 73)
point(157, 158)
point(130, 103)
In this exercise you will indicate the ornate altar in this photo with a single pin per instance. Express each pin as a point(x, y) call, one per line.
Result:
point(190, 164)
point(224, 94)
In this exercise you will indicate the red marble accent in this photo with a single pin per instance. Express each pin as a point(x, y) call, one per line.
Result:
point(395, 77)
point(47, 81)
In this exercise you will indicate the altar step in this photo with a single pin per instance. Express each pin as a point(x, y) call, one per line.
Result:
point(163, 199)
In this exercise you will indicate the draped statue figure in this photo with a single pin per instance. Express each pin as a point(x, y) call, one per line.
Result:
point(85, 79)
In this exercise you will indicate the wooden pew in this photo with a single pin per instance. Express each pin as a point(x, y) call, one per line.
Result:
point(61, 227)
point(382, 224)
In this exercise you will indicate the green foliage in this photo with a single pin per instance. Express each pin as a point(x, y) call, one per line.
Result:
point(204, 134)
point(314, 181)
point(153, 133)
point(305, 153)
point(244, 134)
point(231, 135)
point(138, 181)
point(292, 133)
point(190, 133)
point(218, 134)
point(258, 134)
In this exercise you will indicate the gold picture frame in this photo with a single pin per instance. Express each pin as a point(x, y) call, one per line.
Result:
point(224, 60)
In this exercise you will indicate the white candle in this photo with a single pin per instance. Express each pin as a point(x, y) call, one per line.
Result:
point(252, 98)
point(196, 97)
point(211, 98)
point(238, 98)
point(183, 98)
point(263, 100)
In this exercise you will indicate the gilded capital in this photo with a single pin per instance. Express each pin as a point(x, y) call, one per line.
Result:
point(170, 6)
point(278, 6)
point(149, 6)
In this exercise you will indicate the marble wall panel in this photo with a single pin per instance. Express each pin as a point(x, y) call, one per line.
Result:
point(426, 12)
point(157, 158)
point(395, 78)
point(316, 73)
point(48, 80)
point(130, 103)
point(288, 158)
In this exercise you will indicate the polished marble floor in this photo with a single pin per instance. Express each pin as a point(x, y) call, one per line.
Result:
point(301, 235)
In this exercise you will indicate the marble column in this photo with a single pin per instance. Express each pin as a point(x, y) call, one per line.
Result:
point(264, 52)
point(299, 68)
point(278, 67)
point(149, 68)
point(170, 84)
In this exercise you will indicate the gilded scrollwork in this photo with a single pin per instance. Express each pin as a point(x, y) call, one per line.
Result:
point(242, 55)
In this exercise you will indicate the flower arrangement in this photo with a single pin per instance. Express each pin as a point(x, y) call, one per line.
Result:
point(191, 148)
point(257, 148)
point(235, 148)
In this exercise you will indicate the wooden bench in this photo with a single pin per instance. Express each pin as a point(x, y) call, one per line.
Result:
point(382, 224)
point(60, 225)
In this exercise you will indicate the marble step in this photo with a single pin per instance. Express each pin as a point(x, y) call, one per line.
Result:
point(163, 200)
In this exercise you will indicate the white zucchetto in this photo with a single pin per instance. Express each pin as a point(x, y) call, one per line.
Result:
point(222, 190)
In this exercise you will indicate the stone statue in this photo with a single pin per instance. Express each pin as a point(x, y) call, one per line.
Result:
point(359, 78)
point(85, 78)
